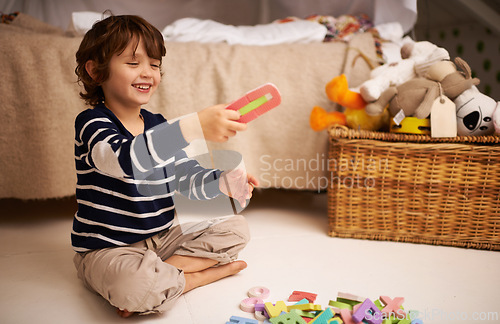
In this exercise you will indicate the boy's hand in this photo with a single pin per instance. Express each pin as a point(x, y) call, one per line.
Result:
point(237, 184)
point(219, 124)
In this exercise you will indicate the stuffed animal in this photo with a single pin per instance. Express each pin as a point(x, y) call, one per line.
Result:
point(354, 115)
point(416, 59)
point(320, 119)
point(496, 120)
point(477, 114)
point(415, 97)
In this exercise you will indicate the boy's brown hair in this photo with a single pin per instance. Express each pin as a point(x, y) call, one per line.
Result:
point(108, 37)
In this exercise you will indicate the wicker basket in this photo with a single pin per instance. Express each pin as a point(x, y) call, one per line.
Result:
point(415, 188)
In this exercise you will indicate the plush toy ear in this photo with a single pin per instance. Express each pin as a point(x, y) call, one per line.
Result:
point(462, 65)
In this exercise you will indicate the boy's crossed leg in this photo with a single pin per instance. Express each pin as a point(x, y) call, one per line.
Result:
point(222, 239)
point(201, 271)
point(198, 272)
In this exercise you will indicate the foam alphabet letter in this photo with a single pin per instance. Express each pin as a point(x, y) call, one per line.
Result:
point(393, 305)
point(288, 318)
point(298, 295)
point(248, 304)
point(323, 317)
point(368, 312)
point(347, 316)
point(241, 320)
point(276, 309)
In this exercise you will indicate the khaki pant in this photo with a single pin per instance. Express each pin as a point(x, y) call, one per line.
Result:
point(135, 277)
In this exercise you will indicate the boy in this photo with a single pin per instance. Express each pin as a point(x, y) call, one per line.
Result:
point(129, 163)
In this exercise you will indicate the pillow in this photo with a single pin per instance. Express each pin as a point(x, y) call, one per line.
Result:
point(82, 21)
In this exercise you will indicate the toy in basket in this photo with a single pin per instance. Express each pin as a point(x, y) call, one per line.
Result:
point(443, 102)
point(448, 95)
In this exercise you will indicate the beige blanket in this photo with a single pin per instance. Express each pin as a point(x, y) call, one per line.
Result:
point(39, 96)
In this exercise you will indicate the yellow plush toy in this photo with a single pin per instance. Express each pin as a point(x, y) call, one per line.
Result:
point(355, 115)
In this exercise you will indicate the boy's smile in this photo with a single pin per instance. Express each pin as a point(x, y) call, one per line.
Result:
point(142, 87)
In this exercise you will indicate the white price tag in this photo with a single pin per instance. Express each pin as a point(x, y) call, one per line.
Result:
point(399, 117)
point(443, 118)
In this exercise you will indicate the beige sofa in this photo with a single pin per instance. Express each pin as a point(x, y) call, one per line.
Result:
point(39, 101)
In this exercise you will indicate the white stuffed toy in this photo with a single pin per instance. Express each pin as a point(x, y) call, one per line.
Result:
point(477, 114)
point(417, 57)
point(496, 120)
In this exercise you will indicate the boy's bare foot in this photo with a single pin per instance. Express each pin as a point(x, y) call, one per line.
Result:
point(190, 264)
point(124, 313)
point(204, 277)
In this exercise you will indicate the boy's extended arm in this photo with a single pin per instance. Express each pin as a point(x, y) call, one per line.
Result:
point(194, 181)
point(100, 144)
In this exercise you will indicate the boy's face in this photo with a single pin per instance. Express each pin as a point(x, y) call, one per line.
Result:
point(132, 78)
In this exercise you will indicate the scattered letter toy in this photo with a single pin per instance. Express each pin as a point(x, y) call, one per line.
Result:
point(262, 309)
point(287, 318)
point(302, 313)
point(338, 305)
point(259, 315)
point(346, 316)
point(379, 304)
point(302, 301)
point(276, 309)
point(357, 306)
point(414, 316)
point(259, 292)
point(405, 321)
point(305, 307)
point(347, 309)
point(299, 295)
point(248, 304)
point(368, 312)
point(323, 317)
point(393, 305)
point(354, 298)
point(241, 320)
point(256, 102)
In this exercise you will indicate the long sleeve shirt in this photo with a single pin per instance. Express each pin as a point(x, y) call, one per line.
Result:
point(125, 184)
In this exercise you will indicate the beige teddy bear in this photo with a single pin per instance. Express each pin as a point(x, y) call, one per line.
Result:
point(415, 97)
point(417, 57)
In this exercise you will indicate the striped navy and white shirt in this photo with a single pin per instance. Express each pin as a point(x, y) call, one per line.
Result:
point(126, 184)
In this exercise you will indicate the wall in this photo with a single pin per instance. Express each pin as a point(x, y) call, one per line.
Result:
point(450, 25)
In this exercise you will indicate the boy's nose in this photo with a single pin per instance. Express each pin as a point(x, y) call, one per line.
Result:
point(147, 72)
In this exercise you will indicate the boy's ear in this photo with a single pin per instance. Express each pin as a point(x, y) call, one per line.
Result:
point(90, 68)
